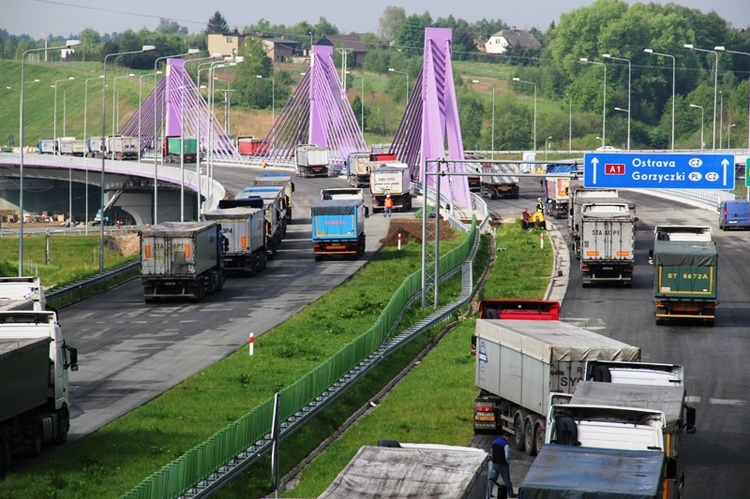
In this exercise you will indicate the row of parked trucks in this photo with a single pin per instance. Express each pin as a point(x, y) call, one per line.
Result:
point(118, 147)
point(600, 421)
point(191, 259)
point(34, 365)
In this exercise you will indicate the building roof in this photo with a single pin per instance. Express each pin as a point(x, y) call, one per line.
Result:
point(519, 38)
point(353, 42)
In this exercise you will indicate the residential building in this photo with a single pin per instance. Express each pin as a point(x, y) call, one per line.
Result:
point(500, 42)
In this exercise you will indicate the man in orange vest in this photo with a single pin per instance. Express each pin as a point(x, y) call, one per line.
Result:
point(387, 206)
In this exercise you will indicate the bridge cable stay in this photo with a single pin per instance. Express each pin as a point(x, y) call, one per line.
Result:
point(176, 106)
point(318, 113)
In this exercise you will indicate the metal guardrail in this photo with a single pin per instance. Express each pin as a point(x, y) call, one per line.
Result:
point(80, 286)
point(263, 446)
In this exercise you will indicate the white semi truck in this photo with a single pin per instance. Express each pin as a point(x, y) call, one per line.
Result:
point(312, 161)
point(244, 237)
point(627, 406)
point(390, 179)
point(521, 362)
point(34, 364)
point(181, 260)
point(607, 243)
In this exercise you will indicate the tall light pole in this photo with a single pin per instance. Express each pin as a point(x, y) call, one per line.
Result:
point(407, 83)
point(116, 103)
point(611, 57)
point(85, 137)
point(492, 141)
point(690, 46)
point(701, 108)
point(721, 48)
point(70, 43)
point(651, 52)
point(54, 121)
point(145, 48)
point(273, 97)
point(604, 98)
point(729, 135)
point(622, 111)
point(721, 116)
point(570, 123)
point(155, 74)
point(532, 83)
point(546, 148)
point(155, 143)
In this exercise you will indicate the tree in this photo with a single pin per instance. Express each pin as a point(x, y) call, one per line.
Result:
point(217, 24)
point(253, 91)
point(390, 22)
point(167, 27)
point(410, 37)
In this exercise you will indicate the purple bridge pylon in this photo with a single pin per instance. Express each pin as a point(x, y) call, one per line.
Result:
point(431, 119)
point(174, 108)
point(317, 113)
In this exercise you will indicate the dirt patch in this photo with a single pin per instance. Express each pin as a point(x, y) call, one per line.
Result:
point(125, 244)
point(411, 230)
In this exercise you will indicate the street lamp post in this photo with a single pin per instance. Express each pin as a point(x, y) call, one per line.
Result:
point(145, 48)
point(70, 43)
point(721, 48)
point(729, 135)
point(273, 97)
point(701, 108)
point(611, 57)
point(651, 52)
point(721, 116)
point(532, 83)
point(690, 46)
point(546, 148)
point(492, 141)
point(604, 97)
point(54, 120)
point(570, 123)
point(623, 111)
point(155, 74)
point(407, 82)
point(85, 115)
point(116, 103)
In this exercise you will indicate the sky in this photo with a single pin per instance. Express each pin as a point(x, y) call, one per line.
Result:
point(70, 17)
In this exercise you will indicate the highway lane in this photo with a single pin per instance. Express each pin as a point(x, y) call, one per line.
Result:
point(716, 458)
point(130, 352)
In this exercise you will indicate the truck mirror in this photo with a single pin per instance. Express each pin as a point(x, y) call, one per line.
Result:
point(292, 186)
point(367, 212)
point(651, 256)
point(670, 468)
point(72, 358)
point(689, 420)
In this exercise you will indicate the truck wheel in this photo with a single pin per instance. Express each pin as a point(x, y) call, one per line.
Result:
point(219, 281)
point(518, 438)
point(6, 448)
point(37, 444)
point(660, 322)
point(211, 287)
point(63, 426)
point(709, 322)
point(528, 436)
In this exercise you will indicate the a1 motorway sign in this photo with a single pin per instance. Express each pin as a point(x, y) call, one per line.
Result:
point(659, 170)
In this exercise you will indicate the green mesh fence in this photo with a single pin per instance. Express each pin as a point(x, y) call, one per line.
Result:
point(175, 478)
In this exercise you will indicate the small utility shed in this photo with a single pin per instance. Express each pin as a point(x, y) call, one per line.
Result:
point(412, 470)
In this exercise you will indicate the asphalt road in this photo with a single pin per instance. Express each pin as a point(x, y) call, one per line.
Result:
point(716, 458)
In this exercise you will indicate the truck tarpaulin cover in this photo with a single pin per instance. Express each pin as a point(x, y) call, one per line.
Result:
point(685, 253)
point(336, 207)
point(561, 471)
point(667, 399)
point(176, 229)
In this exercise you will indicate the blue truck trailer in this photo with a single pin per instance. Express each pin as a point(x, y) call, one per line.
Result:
point(338, 227)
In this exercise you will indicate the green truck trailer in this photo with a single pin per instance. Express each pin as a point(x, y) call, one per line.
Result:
point(685, 275)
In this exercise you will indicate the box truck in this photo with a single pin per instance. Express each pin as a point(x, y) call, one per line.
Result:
point(338, 227)
point(244, 237)
point(607, 242)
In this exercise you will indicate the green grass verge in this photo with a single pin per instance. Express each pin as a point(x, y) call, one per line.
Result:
point(114, 459)
point(72, 257)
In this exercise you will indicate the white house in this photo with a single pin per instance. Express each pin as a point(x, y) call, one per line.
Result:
point(500, 42)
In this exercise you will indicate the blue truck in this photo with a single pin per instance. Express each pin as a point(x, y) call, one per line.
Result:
point(338, 227)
